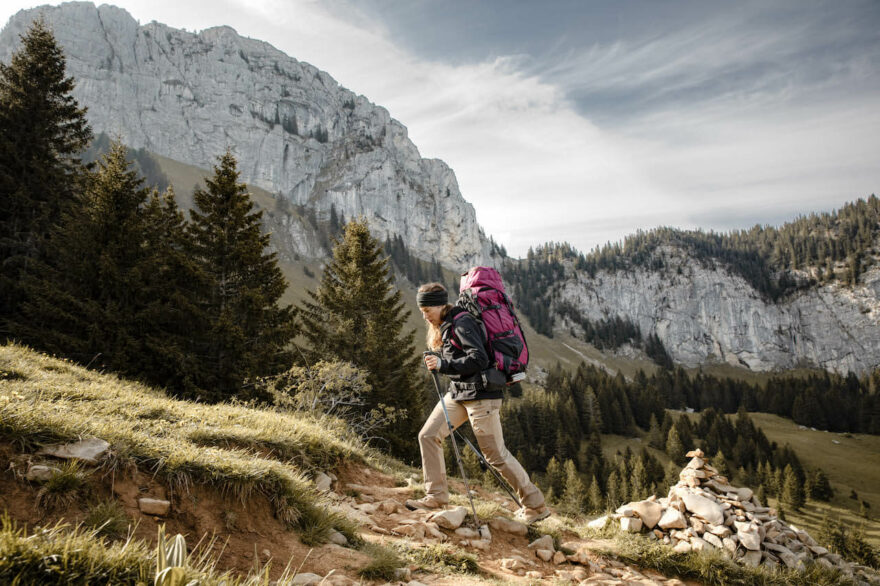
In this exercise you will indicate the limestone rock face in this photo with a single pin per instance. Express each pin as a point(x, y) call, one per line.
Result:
point(706, 314)
point(295, 131)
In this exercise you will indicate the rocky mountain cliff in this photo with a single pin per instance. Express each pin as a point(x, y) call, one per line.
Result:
point(703, 313)
point(296, 132)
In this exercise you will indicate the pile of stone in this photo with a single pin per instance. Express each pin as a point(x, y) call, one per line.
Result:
point(704, 512)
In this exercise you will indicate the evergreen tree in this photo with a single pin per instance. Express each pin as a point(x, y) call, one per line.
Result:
point(820, 487)
point(792, 490)
point(555, 475)
point(656, 439)
point(613, 497)
point(103, 295)
point(674, 447)
point(245, 332)
point(719, 462)
point(594, 497)
point(574, 494)
point(356, 316)
point(42, 130)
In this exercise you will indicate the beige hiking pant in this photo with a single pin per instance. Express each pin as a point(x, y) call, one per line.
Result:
point(486, 423)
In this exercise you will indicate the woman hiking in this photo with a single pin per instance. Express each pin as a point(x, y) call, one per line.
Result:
point(458, 338)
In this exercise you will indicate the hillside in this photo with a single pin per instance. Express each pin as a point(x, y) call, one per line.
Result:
point(252, 483)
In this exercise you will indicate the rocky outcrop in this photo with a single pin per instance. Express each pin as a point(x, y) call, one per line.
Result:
point(704, 512)
point(294, 130)
point(703, 313)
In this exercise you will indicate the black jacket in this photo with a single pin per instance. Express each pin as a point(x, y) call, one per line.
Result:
point(463, 357)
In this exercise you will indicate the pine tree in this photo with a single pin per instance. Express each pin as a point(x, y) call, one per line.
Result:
point(42, 130)
point(555, 475)
point(356, 316)
point(246, 332)
point(595, 502)
point(574, 494)
point(792, 490)
point(719, 462)
point(88, 299)
point(674, 447)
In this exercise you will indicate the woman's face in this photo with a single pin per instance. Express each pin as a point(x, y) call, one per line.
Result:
point(432, 314)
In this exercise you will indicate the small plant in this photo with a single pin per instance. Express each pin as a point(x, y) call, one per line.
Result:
point(230, 520)
point(442, 558)
point(62, 488)
point(383, 564)
point(108, 518)
point(171, 560)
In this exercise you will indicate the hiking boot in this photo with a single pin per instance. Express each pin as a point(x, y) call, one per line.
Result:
point(528, 515)
point(427, 503)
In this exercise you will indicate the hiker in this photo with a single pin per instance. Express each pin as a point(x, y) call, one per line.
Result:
point(459, 341)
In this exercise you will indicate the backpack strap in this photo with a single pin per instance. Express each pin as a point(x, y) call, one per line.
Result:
point(459, 313)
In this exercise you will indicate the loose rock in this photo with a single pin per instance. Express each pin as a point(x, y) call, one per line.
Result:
point(155, 507)
point(88, 450)
point(450, 519)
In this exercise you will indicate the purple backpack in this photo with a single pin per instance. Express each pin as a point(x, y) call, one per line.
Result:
point(482, 295)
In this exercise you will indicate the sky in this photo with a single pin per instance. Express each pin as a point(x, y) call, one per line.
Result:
point(585, 120)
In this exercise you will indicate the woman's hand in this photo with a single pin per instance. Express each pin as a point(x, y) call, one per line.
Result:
point(432, 362)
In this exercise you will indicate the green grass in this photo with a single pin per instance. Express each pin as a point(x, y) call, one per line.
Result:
point(714, 569)
point(75, 555)
point(107, 519)
point(64, 486)
point(240, 450)
point(383, 563)
point(851, 464)
point(442, 559)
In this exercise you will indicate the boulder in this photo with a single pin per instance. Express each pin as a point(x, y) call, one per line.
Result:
point(544, 554)
point(509, 526)
point(729, 545)
point(750, 539)
point(649, 512)
point(512, 565)
point(699, 544)
point(599, 523)
point(389, 506)
point(450, 519)
point(480, 544)
point(338, 538)
point(88, 450)
point(155, 507)
point(705, 508)
point(682, 547)
point(752, 558)
point(306, 579)
point(323, 482)
point(713, 539)
point(672, 519)
point(39, 473)
point(543, 542)
point(630, 524)
point(558, 558)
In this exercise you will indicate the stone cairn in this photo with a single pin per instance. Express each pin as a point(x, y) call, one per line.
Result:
point(704, 512)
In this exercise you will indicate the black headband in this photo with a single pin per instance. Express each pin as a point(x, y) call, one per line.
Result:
point(431, 298)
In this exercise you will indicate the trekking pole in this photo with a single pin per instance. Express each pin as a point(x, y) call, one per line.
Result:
point(455, 446)
point(490, 468)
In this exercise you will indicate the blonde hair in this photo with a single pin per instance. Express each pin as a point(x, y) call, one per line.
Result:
point(433, 338)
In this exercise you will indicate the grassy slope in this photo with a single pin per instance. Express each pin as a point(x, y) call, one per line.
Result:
point(237, 449)
point(851, 464)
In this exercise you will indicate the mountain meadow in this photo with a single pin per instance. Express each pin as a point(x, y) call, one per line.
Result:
point(205, 381)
